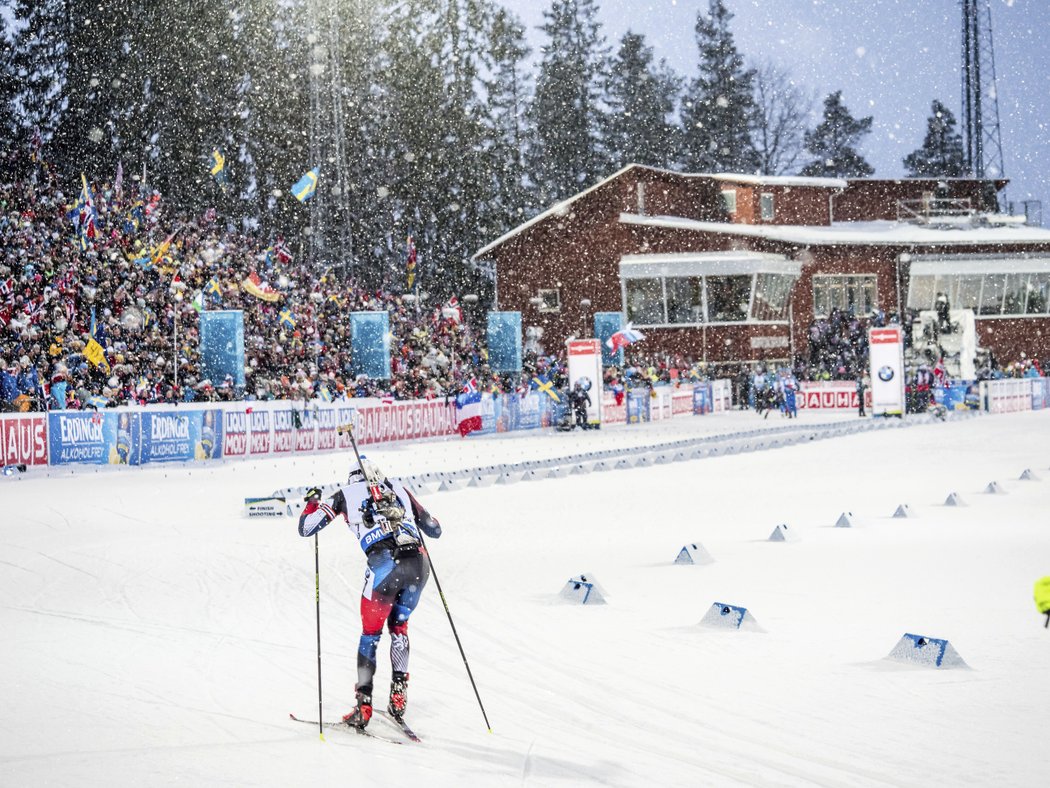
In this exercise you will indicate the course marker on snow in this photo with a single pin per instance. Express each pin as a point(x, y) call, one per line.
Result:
point(583, 590)
point(782, 534)
point(904, 511)
point(931, 652)
point(480, 481)
point(994, 488)
point(694, 553)
point(1028, 476)
point(846, 520)
point(723, 616)
point(953, 499)
point(624, 464)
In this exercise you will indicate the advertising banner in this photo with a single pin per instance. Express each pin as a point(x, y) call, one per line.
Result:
point(504, 341)
point(605, 325)
point(585, 368)
point(327, 424)
point(260, 441)
point(175, 436)
point(283, 431)
point(370, 344)
point(702, 399)
point(102, 438)
point(886, 349)
point(24, 439)
point(235, 434)
point(222, 346)
point(638, 405)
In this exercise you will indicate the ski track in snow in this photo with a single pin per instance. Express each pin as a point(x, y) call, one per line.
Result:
point(155, 636)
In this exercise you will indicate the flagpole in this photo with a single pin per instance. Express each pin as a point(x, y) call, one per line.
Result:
point(175, 348)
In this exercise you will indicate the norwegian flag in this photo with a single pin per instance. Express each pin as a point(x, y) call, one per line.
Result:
point(471, 386)
point(71, 309)
point(5, 317)
point(281, 252)
point(35, 309)
point(451, 311)
point(7, 291)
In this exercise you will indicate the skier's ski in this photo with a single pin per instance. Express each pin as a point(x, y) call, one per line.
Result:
point(401, 724)
point(342, 726)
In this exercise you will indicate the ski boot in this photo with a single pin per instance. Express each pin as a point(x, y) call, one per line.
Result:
point(362, 713)
point(398, 695)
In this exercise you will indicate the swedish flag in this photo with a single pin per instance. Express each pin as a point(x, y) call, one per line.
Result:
point(287, 319)
point(324, 393)
point(213, 288)
point(307, 185)
point(218, 168)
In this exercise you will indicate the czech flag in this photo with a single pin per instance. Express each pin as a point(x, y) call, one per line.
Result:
point(622, 339)
point(468, 413)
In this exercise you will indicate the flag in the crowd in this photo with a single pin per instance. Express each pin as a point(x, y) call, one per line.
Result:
point(287, 319)
point(543, 384)
point(143, 384)
point(306, 186)
point(623, 338)
point(260, 289)
point(451, 311)
point(84, 215)
point(213, 288)
point(218, 168)
point(94, 353)
point(144, 259)
point(7, 291)
point(161, 249)
point(198, 302)
point(410, 265)
point(149, 317)
point(35, 309)
point(468, 413)
point(5, 317)
point(470, 386)
point(335, 299)
point(281, 251)
point(97, 401)
point(324, 393)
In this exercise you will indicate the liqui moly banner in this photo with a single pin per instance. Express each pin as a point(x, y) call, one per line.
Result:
point(585, 368)
point(24, 439)
point(886, 354)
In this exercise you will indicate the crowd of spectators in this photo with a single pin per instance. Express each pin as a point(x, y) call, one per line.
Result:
point(127, 274)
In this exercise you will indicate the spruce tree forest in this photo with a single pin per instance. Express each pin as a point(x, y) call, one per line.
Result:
point(430, 118)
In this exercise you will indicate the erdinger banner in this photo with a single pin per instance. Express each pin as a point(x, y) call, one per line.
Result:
point(102, 438)
point(886, 352)
point(585, 368)
point(176, 436)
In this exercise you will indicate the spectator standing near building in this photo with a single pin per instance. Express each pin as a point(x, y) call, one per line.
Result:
point(862, 386)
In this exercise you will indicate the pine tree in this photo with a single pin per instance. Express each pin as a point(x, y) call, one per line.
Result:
point(833, 143)
point(642, 98)
point(507, 99)
point(719, 108)
point(566, 112)
point(941, 154)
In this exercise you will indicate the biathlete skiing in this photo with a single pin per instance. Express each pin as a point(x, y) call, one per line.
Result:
point(386, 519)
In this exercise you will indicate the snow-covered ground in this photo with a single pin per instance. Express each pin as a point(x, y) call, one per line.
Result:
point(153, 636)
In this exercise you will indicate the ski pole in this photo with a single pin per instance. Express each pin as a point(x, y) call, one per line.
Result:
point(317, 598)
point(455, 634)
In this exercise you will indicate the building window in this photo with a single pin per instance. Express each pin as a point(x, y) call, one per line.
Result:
point(729, 200)
point(685, 299)
point(772, 292)
point(728, 298)
point(550, 300)
point(645, 301)
point(845, 293)
point(766, 205)
point(988, 295)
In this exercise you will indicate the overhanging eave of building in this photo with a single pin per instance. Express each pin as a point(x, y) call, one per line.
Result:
point(638, 266)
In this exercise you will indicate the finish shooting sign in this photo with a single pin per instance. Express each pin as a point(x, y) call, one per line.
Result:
point(886, 353)
point(585, 368)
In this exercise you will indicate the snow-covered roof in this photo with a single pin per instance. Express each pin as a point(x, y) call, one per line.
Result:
point(874, 233)
point(706, 264)
point(781, 180)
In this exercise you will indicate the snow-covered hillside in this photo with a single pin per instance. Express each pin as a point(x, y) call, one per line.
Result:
point(153, 636)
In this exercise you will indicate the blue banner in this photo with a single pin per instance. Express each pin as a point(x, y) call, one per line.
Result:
point(605, 325)
point(370, 345)
point(703, 399)
point(91, 438)
point(638, 405)
point(504, 341)
point(222, 346)
point(177, 436)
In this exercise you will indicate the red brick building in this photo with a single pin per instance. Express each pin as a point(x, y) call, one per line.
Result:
point(735, 267)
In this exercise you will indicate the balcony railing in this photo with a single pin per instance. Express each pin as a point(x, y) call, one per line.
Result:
point(929, 210)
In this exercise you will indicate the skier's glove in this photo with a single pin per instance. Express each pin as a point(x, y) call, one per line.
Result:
point(313, 495)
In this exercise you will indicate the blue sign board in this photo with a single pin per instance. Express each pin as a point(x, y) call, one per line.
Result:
point(370, 344)
point(504, 341)
point(222, 346)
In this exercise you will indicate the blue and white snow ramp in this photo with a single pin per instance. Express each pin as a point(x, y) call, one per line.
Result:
point(694, 553)
point(846, 520)
point(953, 499)
point(904, 511)
point(583, 590)
point(723, 616)
point(929, 652)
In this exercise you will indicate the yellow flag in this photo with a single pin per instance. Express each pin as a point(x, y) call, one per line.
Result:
point(94, 353)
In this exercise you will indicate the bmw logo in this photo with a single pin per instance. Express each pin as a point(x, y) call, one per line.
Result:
point(886, 374)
